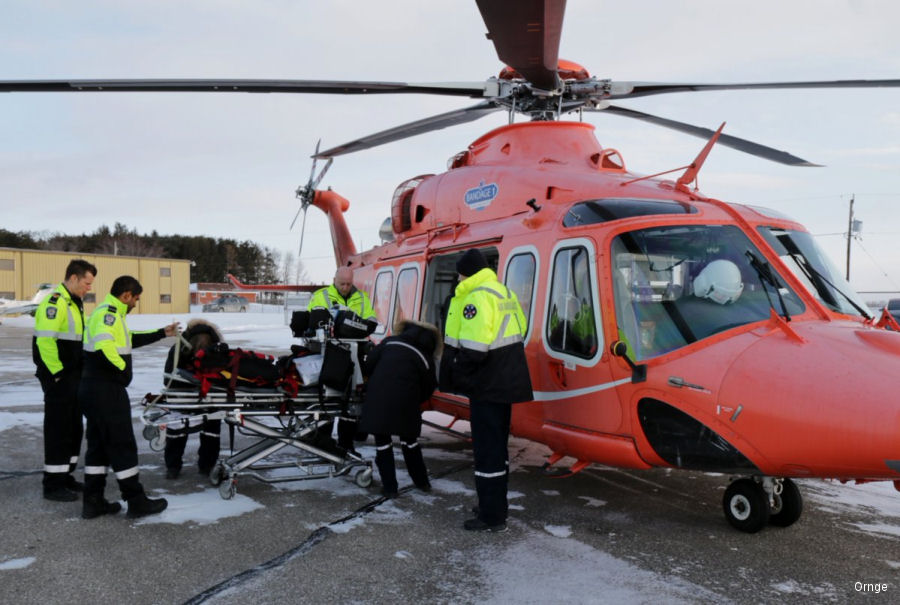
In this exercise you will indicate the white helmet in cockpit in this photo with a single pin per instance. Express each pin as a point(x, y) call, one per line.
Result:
point(719, 281)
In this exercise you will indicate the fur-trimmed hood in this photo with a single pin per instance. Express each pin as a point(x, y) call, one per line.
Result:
point(198, 327)
point(422, 335)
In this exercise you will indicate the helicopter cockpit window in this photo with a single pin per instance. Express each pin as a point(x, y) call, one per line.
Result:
point(571, 326)
point(520, 279)
point(809, 263)
point(679, 284)
point(611, 209)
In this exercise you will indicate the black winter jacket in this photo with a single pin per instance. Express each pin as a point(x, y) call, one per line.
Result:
point(401, 378)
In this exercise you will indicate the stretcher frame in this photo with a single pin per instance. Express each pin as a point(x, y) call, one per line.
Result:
point(181, 405)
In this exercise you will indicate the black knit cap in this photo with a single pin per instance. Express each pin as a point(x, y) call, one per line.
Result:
point(471, 263)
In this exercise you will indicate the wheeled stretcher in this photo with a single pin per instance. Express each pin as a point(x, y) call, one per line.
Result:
point(280, 424)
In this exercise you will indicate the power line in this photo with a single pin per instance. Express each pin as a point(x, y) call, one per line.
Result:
point(859, 243)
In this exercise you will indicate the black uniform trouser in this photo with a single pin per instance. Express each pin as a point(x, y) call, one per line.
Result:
point(63, 428)
point(348, 432)
point(210, 441)
point(490, 433)
point(412, 456)
point(110, 438)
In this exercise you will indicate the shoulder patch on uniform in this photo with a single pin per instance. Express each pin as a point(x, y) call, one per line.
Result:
point(109, 319)
point(469, 311)
point(51, 312)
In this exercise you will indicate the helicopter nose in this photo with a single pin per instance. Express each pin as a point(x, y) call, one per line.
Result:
point(827, 406)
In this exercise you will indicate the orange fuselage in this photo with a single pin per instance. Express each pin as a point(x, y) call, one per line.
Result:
point(814, 396)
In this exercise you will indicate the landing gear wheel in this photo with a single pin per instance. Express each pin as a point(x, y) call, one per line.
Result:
point(227, 489)
point(788, 505)
point(217, 474)
point(158, 443)
point(363, 478)
point(150, 432)
point(746, 506)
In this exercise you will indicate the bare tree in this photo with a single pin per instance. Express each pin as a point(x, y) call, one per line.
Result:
point(300, 274)
point(287, 267)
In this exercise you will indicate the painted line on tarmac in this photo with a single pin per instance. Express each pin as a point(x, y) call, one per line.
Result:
point(314, 539)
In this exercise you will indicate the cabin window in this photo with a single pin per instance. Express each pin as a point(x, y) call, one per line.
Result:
point(8, 295)
point(571, 325)
point(165, 272)
point(611, 209)
point(381, 299)
point(90, 297)
point(7, 264)
point(519, 278)
point(405, 302)
point(675, 285)
point(814, 269)
point(165, 299)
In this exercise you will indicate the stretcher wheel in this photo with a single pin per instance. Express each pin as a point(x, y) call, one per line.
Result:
point(363, 478)
point(158, 443)
point(227, 489)
point(150, 432)
point(217, 474)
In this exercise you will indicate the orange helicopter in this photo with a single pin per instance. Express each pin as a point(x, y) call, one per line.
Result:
point(665, 328)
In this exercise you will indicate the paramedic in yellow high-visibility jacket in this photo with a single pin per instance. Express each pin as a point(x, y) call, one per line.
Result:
point(57, 352)
point(107, 408)
point(343, 295)
point(485, 332)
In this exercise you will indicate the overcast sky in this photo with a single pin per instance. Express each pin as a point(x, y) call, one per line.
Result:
point(226, 165)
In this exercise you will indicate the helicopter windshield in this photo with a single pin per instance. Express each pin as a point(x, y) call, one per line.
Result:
point(676, 285)
point(809, 263)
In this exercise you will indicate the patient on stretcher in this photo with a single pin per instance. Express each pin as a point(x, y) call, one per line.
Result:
point(199, 335)
point(202, 361)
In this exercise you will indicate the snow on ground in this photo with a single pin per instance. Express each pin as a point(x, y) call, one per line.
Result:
point(16, 563)
point(10, 420)
point(511, 571)
point(202, 508)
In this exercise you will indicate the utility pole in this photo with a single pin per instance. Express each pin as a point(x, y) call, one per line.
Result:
point(849, 235)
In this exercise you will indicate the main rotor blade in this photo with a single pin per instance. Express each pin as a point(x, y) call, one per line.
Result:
point(526, 36)
point(622, 90)
point(341, 87)
point(744, 145)
point(451, 118)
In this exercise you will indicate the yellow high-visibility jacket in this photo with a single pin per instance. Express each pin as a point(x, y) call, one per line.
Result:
point(58, 328)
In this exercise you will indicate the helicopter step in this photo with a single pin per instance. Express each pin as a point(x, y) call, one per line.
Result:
point(559, 473)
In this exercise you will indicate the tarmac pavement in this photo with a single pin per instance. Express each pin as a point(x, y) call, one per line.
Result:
point(603, 535)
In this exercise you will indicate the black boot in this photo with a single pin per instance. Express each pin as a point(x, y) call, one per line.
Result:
point(141, 506)
point(55, 488)
point(73, 484)
point(95, 505)
point(384, 460)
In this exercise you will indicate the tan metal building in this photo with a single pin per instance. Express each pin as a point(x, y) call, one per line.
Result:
point(166, 281)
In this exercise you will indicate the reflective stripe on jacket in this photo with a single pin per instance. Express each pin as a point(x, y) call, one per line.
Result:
point(329, 298)
point(58, 329)
point(488, 325)
point(108, 342)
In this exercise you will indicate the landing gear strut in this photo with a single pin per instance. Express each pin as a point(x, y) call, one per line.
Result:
point(752, 503)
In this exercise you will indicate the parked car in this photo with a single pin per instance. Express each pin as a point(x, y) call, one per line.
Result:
point(226, 302)
point(894, 308)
